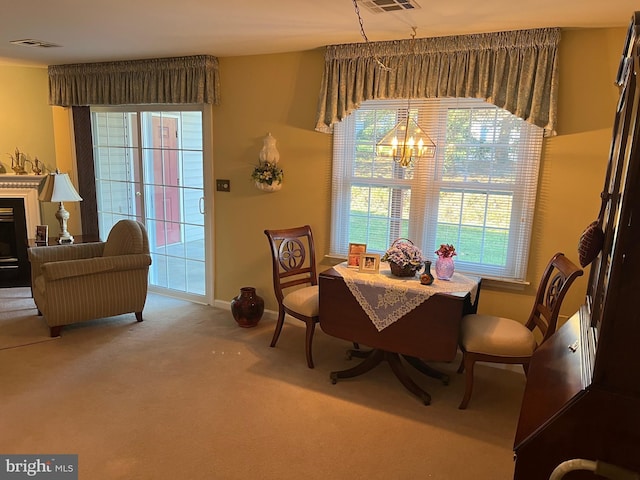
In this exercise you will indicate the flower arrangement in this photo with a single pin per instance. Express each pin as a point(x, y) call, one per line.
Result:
point(446, 250)
point(403, 253)
point(268, 173)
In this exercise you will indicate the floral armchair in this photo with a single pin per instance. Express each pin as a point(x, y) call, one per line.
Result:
point(80, 282)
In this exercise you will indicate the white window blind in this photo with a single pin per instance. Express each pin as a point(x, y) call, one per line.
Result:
point(478, 192)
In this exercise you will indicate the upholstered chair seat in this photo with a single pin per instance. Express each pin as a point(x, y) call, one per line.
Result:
point(304, 301)
point(497, 336)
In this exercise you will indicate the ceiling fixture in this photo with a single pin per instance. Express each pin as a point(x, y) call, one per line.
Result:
point(407, 141)
point(381, 6)
point(30, 42)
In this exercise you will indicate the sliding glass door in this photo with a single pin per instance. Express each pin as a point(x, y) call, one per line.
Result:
point(149, 166)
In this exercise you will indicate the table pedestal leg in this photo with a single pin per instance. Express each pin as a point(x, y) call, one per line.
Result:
point(358, 353)
point(405, 379)
point(426, 369)
point(372, 360)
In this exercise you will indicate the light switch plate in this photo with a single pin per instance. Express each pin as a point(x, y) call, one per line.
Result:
point(223, 185)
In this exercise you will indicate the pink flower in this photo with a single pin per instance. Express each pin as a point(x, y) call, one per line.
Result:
point(446, 250)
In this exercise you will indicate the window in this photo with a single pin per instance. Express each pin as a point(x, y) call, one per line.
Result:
point(478, 192)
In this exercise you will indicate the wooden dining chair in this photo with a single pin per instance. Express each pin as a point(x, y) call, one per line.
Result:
point(488, 338)
point(295, 280)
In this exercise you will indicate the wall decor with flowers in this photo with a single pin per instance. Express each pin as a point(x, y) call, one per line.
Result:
point(267, 175)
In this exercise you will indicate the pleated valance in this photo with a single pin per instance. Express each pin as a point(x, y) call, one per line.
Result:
point(514, 70)
point(177, 80)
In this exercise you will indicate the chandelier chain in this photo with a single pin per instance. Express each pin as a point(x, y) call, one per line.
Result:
point(364, 36)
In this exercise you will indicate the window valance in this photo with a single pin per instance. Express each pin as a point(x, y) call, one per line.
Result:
point(514, 70)
point(184, 80)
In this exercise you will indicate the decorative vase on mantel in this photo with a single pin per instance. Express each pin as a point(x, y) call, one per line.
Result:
point(247, 308)
point(444, 268)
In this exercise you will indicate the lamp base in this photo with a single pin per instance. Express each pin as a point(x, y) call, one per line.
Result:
point(62, 215)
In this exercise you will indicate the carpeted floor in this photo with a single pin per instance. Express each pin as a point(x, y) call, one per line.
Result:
point(187, 394)
point(19, 324)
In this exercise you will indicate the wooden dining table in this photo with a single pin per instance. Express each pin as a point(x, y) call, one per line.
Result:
point(401, 320)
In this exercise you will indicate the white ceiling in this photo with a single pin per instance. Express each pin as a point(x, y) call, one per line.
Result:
point(95, 31)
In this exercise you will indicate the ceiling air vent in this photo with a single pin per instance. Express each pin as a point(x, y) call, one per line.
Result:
point(381, 6)
point(30, 42)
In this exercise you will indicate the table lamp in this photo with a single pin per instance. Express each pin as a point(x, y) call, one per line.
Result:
point(58, 188)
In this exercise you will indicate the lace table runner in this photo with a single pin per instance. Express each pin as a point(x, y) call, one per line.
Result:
point(386, 298)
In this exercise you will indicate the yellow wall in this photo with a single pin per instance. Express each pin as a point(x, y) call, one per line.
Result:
point(26, 121)
point(573, 162)
point(278, 94)
point(282, 91)
point(262, 94)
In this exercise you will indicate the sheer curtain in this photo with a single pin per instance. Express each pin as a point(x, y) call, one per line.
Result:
point(514, 70)
point(176, 80)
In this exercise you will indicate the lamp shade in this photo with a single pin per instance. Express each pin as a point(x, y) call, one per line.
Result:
point(58, 188)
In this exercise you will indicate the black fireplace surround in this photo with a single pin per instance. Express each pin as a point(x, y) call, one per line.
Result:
point(15, 270)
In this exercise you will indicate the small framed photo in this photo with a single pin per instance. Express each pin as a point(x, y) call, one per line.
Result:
point(42, 234)
point(369, 263)
point(355, 250)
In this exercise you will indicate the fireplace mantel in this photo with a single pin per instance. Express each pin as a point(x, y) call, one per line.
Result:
point(25, 187)
point(21, 181)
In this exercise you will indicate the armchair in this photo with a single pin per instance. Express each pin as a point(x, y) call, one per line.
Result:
point(80, 282)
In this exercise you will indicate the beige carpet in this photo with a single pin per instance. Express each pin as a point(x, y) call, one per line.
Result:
point(19, 324)
point(187, 394)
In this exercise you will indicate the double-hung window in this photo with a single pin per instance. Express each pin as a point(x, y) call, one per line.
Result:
point(478, 192)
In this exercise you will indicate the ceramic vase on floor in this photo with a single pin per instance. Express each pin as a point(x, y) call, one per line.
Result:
point(444, 268)
point(247, 308)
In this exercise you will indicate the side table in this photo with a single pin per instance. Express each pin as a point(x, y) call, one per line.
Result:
point(53, 241)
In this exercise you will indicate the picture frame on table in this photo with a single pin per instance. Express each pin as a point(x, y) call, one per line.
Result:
point(42, 235)
point(369, 263)
point(355, 250)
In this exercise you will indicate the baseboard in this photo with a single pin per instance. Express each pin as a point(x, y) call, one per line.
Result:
point(226, 305)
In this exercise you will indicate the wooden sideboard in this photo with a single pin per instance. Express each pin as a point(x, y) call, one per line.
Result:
point(582, 398)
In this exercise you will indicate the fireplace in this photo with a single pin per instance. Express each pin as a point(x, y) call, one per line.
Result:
point(14, 264)
point(19, 215)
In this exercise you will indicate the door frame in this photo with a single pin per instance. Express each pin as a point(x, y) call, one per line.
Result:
point(208, 199)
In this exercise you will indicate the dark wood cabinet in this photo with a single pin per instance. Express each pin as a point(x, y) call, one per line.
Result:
point(582, 398)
